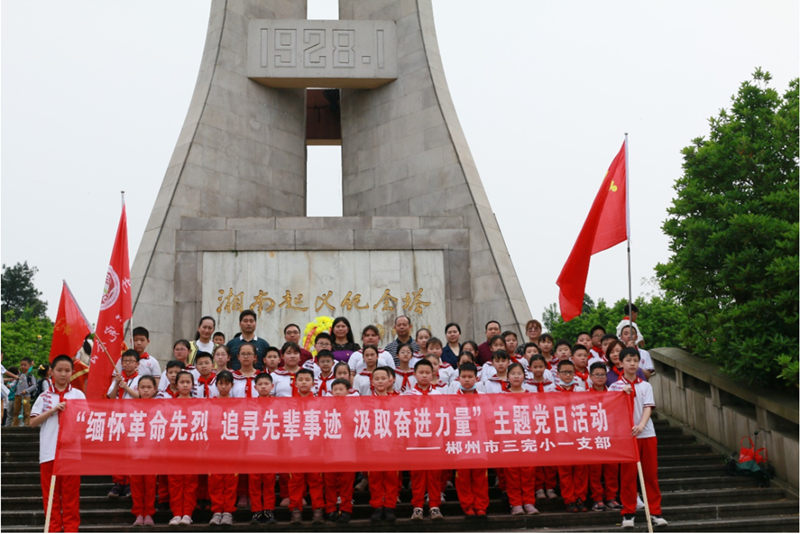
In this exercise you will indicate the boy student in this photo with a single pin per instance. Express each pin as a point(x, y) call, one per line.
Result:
point(222, 487)
point(170, 390)
point(124, 385)
point(304, 383)
point(261, 486)
point(646, 441)
point(511, 344)
point(472, 485)
point(498, 383)
point(609, 473)
point(272, 359)
point(498, 344)
point(371, 336)
point(646, 363)
point(630, 318)
point(580, 360)
point(247, 325)
point(324, 362)
point(546, 343)
point(404, 373)
point(574, 478)
point(429, 480)
point(143, 487)
point(384, 486)
point(148, 366)
point(24, 388)
point(285, 377)
point(596, 333)
point(445, 371)
point(65, 515)
point(218, 338)
point(205, 387)
point(244, 378)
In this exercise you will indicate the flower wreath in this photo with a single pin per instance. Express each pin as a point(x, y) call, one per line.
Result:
point(320, 324)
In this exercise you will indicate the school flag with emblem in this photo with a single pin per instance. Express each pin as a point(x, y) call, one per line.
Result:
point(605, 226)
point(115, 310)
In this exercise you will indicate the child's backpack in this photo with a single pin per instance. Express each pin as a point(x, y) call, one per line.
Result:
point(751, 462)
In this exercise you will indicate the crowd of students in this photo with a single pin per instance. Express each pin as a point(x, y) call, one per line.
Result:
point(248, 366)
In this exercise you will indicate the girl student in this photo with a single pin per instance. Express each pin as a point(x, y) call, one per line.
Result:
point(342, 371)
point(370, 336)
point(422, 337)
point(222, 487)
point(222, 358)
point(183, 488)
point(143, 487)
point(363, 380)
point(541, 382)
point(180, 352)
point(343, 343)
point(384, 486)
point(520, 481)
point(546, 343)
point(202, 339)
point(404, 374)
point(603, 478)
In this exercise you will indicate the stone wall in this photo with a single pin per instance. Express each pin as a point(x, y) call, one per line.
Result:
point(694, 391)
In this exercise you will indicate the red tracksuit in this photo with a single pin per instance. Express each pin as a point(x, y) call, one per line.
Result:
point(339, 485)
point(65, 514)
point(422, 481)
point(472, 486)
point(574, 478)
point(383, 489)
point(628, 475)
point(143, 495)
point(262, 492)
point(222, 493)
point(182, 494)
point(607, 488)
point(297, 487)
point(521, 485)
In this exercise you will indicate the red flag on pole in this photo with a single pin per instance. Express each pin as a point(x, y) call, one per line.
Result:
point(71, 326)
point(115, 309)
point(606, 226)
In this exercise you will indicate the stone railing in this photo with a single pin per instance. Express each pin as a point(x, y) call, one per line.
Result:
point(695, 392)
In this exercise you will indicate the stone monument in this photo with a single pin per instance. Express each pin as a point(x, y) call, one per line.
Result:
point(229, 230)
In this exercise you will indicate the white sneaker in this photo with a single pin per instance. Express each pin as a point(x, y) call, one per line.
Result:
point(540, 495)
point(658, 521)
point(551, 494)
point(175, 520)
point(227, 519)
point(416, 515)
point(362, 486)
point(436, 514)
point(530, 509)
point(443, 499)
point(627, 522)
point(639, 503)
point(285, 502)
point(517, 510)
point(215, 519)
point(186, 520)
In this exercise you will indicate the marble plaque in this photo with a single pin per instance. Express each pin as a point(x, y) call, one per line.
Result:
point(367, 287)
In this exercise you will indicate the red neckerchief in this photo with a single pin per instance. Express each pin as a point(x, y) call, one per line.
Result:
point(62, 394)
point(369, 374)
point(461, 392)
point(633, 384)
point(440, 384)
point(406, 375)
point(617, 372)
point(504, 387)
point(144, 356)
point(423, 392)
point(248, 386)
point(207, 382)
point(283, 372)
point(296, 393)
point(599, 351)
point(352, 391)
point(583, 376)
point(120, 391)
point(388, 394)
point(323, 386)
point(539, 385)
point(559, 388)
point(170, 393)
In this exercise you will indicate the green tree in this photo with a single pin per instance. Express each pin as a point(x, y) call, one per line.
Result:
point(733, 230)
point(19, 295)
point(26, 336)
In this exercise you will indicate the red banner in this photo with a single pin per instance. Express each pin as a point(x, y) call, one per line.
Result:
point(342, 433)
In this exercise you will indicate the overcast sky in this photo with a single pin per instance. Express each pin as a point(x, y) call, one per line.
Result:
point(94, 94)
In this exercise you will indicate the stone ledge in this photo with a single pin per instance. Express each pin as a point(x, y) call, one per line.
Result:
point(781, 405)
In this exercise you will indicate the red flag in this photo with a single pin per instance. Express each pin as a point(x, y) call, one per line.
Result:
point(115, 309)
point(71, 326)
point(606, 226)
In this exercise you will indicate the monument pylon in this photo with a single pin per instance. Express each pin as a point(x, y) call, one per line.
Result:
point(229, 231)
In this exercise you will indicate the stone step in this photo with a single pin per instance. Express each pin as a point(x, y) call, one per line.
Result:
point(691, 459)
point(682, 449)
point(121, 519)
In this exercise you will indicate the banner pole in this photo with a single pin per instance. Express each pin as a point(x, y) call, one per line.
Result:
point(628, 228)
point(103, 346)
point(50, 504)
point(644, 497)
point(130, 322)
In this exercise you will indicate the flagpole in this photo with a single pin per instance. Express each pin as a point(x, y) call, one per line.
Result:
point(130, 322)
point(628, 228)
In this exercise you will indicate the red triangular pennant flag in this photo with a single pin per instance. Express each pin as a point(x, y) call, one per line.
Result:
point(115, 309)
point(605, 226)
point(71, 326)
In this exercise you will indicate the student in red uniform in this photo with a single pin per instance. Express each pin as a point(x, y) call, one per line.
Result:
point(222, 487)
point(304, 384)
point(148, 366)
point(324, 365)
point(169, 392)
point(645, 433)
point(580, 359)
point(183, 488)
point(428, 480)
point(603, 478)
point(124, 385)
point(541, 381)
point(363, 380)
point(404, 374)
point(272, 360)
point(205, 386)
point(65, 515)
point(284, 377)
point(384, 486)
point(262, 486)
point(498, 381)
point(143, 487)
point(489, 371)
point(546, 343)
point(573, 478)
point(222, 359)
point(520, 481)
point(244, 380)
point(338, 486)
point(585, 339)
point(472, 485)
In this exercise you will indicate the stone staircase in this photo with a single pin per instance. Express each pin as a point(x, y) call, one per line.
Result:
point(697, 496)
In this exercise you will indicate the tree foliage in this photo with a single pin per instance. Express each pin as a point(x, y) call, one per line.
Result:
point(733, 230)
point(28, 335)
point(660, 318)
point(19, 295)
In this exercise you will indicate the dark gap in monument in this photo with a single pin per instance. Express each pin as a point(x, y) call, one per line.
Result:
point(323, 153)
